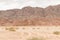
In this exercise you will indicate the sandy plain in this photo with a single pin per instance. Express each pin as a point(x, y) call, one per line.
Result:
point(27, 33)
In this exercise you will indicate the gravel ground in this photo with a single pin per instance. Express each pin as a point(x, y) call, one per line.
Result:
point(25, 33)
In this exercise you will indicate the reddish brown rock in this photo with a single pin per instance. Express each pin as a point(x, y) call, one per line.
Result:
point(29, 16)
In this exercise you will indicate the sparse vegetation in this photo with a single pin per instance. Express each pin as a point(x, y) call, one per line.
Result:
point(11, 29)
point(35, 38)
point(56, 33)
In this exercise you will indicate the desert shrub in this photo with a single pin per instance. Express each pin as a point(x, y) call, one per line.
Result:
point(35, 38)
point(56, 33)
point(11, 29)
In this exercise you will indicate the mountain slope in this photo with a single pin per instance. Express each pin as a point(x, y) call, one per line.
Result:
point(31, 16)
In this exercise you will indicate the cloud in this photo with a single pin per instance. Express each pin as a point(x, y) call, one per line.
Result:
point(10, 4)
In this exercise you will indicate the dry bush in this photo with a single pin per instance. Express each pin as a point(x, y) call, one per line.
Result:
point(11, 29)
point(56, 33)
point(36, 38)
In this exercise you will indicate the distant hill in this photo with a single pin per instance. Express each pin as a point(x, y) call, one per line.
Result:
point(28, 16)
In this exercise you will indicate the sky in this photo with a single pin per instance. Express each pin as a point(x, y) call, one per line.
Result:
point(11, 4)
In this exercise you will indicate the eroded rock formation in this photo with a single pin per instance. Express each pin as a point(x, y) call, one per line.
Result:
point(31, 16)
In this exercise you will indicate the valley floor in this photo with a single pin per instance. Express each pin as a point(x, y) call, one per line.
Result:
point(26, 33)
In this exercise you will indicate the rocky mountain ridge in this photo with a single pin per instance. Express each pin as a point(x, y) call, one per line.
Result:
point(34, 16)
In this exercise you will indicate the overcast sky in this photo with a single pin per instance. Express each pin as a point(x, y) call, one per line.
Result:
point(11, 4)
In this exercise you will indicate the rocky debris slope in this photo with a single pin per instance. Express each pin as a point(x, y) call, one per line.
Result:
point(30, 16)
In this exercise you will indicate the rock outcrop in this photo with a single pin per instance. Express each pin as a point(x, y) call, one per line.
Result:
point(31, 16)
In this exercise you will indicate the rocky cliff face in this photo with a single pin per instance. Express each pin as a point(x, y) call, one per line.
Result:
point(31, 16)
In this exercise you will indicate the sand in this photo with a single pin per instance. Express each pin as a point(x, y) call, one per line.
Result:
point(25, 33)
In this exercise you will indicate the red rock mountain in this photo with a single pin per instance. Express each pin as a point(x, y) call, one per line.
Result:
point(31, 16)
